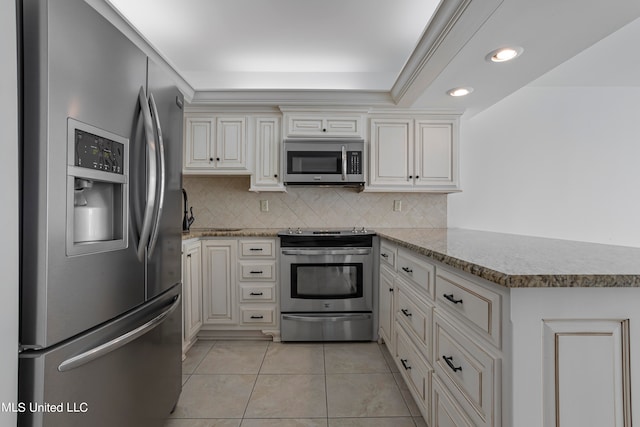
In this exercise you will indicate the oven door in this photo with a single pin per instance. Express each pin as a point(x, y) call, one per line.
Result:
point(326, 280)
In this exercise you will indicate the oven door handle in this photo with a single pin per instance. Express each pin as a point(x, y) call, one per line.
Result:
point(327, 317)
point(347, 251)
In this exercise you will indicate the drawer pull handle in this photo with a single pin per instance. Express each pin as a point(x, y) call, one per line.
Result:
point(258, 317)
point(256, 272)
point(404, 363)
point(384, 255)
point(255, 249)
point(451, 365)
point(407, 270)
point(256, 294)
point(452, 299)
point(405, 312)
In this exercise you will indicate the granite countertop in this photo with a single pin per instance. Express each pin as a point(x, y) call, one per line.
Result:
point(522, 261)
point(230, 232)
point(509, 260)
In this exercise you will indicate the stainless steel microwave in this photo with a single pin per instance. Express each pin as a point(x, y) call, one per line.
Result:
point(324, 162)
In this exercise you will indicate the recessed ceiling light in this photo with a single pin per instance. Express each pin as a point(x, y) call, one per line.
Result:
point(504, 54)
point(460, 91)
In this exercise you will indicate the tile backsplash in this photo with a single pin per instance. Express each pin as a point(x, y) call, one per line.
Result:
point(225, 202)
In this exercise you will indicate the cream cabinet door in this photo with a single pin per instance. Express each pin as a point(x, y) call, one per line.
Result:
point(198, 144)
point(386, 310)
point(391, 153)
point(324, 126)
point(219, 281)
point(586, 373)
point(435, 163)
point(231, 143)
point(266, 174)
point(192, 290)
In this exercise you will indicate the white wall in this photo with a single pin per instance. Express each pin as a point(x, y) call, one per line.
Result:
point(8, 212)
point(554, 161)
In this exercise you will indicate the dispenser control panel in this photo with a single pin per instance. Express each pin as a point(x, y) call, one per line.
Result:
point(99, 153)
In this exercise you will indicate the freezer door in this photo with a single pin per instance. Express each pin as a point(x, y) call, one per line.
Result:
point(126, 373)
point(164, 251)
point(76, 66)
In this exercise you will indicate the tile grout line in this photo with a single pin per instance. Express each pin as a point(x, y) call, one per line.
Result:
point(264, 356)
point(326, 390)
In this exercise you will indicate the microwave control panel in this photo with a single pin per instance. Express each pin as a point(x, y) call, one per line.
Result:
point(354, 162)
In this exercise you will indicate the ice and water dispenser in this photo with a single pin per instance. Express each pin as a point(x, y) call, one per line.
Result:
point(97, 189)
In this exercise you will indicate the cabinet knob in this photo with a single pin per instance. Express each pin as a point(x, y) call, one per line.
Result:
point(211, 159)
point(217, 159)
point(417, 177)
point(324, 130)
point(275, 175)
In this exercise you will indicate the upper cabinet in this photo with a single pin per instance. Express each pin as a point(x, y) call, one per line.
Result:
point(413, 154)
point(265, 143)
point(406, 150)
point(215, 145)
point(324, 125)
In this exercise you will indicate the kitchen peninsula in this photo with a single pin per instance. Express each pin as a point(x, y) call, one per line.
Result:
point(495, 329)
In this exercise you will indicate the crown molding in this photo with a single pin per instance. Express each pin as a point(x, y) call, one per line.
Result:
point(293, 97)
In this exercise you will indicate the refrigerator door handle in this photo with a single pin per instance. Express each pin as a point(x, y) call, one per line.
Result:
point(152, 175)
point(118, 342)
point(161, 175)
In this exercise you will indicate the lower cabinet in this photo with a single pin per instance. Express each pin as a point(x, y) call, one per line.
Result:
point(446, 411)
point(191, 292)
point(478, 354)
point(219, 281)
point(239, 288)
point(415, 370)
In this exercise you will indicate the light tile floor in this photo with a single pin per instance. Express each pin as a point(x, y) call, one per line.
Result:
point(267, 384)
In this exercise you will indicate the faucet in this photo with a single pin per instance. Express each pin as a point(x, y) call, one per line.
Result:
point(188, 213)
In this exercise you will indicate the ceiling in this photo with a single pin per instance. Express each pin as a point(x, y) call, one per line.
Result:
point(283, 44)
point(400, 53)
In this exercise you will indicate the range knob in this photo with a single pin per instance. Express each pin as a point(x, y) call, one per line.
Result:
point(364, 230)
point(299, 231)
point(355, 230)
point(289, 230)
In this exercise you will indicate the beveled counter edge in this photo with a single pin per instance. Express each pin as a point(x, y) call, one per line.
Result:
point(243, 232)
point(523, 281)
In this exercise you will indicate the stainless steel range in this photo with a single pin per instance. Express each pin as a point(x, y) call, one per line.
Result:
point(326, 285)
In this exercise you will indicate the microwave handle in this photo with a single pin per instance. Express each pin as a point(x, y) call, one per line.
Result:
point(344, 163)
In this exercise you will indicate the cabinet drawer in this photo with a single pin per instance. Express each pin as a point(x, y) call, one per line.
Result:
point(470, 372)
point(476, 305)
point(251, 270)
point(446, 412)
point(388, 254)
point(257, 315)
point(414, 369)
point(259, 293)
point(415, 315)
point(257, 248)
point(417, 271)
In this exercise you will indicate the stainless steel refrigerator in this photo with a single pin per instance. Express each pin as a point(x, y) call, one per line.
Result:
point(100, 329)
